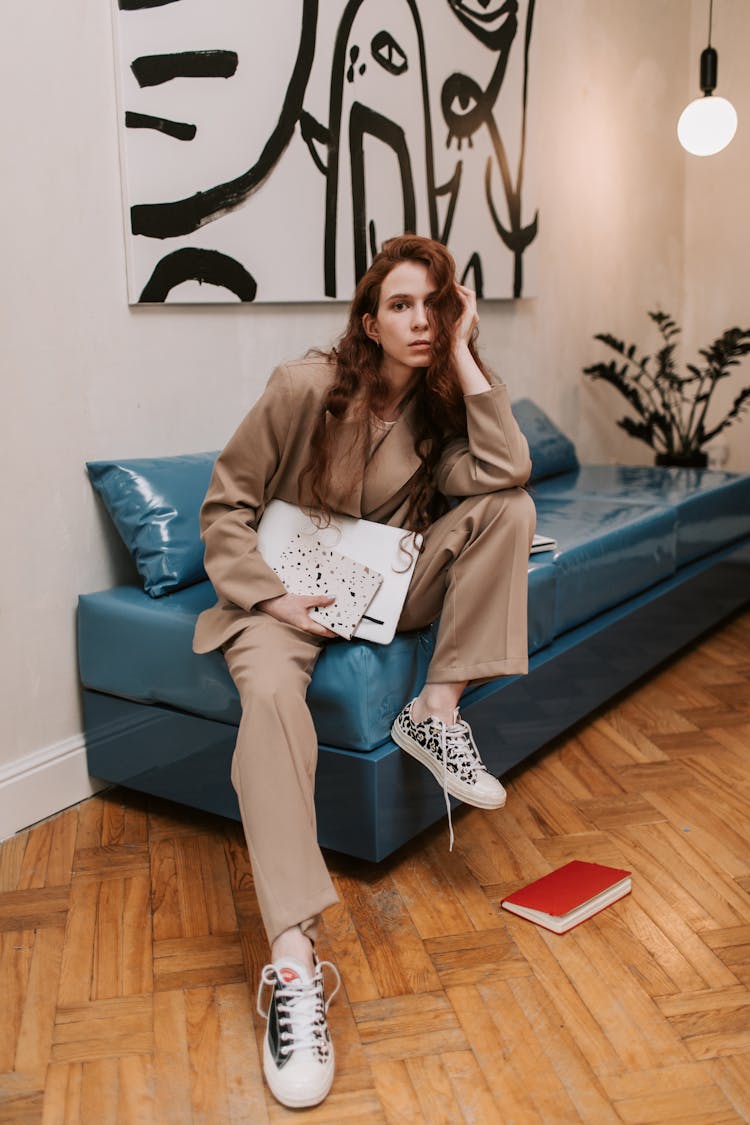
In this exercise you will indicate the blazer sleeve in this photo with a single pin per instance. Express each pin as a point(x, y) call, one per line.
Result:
point(238, 488)
point(494, 456)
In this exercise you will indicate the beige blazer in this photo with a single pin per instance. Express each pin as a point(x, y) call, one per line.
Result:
point(269, 450)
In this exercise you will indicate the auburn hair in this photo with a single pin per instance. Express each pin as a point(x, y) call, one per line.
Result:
point(440, 413)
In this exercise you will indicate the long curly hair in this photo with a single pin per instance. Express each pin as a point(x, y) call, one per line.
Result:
point(440, 413)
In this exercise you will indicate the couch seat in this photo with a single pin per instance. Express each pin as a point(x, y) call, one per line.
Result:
point(712, 507)
point(137, 647)
point(608, 551)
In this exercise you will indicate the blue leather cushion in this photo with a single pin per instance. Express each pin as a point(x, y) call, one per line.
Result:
point(155, 503)
point(137, 648)
point(608, 550)
point(542, 600)
point(551, 451)
point(713, 508)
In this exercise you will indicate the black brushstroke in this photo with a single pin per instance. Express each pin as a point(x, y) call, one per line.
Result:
point(386, 51)
point(519, 236)
point(136, 5)
point(153, 70)
point(472, 102)
point(498, 40)
point(180, 130)
point(182, 216)
point(525, 93)
point(338, 71)
point(474, 267)
point(477, 104)
point(373, 236)
point(364, 121)
point(451, 187)
point(353, 56)
point(312, 131)
point(208, 267)
point(476, 108)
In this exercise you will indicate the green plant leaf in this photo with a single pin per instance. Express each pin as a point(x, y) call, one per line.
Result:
point(673, 406)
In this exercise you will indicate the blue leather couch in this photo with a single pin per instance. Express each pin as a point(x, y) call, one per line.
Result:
point(647, 560)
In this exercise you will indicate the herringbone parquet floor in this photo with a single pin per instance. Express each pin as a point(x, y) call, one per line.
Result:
point(130, 945)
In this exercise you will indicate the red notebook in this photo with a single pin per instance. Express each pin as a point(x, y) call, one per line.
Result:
point(570, 895)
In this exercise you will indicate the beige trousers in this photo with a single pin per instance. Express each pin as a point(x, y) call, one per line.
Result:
point(473, 573)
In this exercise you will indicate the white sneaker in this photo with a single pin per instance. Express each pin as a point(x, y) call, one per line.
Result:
point(298, 1056)
point(450, 754)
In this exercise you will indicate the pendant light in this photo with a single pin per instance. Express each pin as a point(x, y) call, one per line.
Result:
point(708, 124)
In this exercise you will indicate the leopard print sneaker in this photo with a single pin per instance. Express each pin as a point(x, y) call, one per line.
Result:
point(450, 754)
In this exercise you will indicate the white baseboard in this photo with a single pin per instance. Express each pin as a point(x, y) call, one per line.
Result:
point(43, 783)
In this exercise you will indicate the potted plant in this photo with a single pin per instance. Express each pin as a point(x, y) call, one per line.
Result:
point(672, 408)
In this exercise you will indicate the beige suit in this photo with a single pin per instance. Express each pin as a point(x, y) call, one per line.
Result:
point(472, 572)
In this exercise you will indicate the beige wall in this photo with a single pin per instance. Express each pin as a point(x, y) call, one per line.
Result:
point(717, 214)
point(85, 376)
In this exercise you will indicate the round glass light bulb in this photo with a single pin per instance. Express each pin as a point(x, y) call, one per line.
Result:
point(707, 125)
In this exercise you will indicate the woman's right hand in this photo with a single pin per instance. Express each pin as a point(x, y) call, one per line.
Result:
point(293, 609)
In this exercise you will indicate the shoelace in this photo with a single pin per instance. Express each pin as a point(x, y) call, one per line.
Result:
point(456, 738)
point(301, 1006)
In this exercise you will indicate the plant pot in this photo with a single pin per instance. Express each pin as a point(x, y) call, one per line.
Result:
point(696, 460)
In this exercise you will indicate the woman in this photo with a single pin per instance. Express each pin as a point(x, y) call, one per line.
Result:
point(396, 424)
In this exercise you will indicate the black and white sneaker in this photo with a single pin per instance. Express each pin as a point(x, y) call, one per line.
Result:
point(450, 754)
point(297, 1049)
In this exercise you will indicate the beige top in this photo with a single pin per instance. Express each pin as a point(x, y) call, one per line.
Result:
point(379, 430)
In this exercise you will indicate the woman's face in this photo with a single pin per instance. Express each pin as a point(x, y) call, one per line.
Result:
point(402, 325)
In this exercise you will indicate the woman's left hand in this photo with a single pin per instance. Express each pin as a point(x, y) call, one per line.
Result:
point(467, 325)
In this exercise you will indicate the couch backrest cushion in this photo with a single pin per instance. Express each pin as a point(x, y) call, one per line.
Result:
point(551, 451)
point(155, 503)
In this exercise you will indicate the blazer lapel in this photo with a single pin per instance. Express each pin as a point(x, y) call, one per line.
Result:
point(392, 465)
point(345, 486)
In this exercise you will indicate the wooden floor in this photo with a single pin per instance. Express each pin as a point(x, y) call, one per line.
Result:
point(130, 945)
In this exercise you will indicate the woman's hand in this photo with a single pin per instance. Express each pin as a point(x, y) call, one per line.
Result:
point(470, 376)
point(467, 325)
point(293, 609)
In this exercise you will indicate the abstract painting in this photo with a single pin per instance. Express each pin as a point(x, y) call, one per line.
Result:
point(269, 147)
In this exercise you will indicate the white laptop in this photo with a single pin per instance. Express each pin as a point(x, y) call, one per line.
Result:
point(376, 545)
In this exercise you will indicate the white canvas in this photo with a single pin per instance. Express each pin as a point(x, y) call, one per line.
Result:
point(268, 149)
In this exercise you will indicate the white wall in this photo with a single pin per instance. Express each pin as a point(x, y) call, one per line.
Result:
point(86, 376)
point(717, 214)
